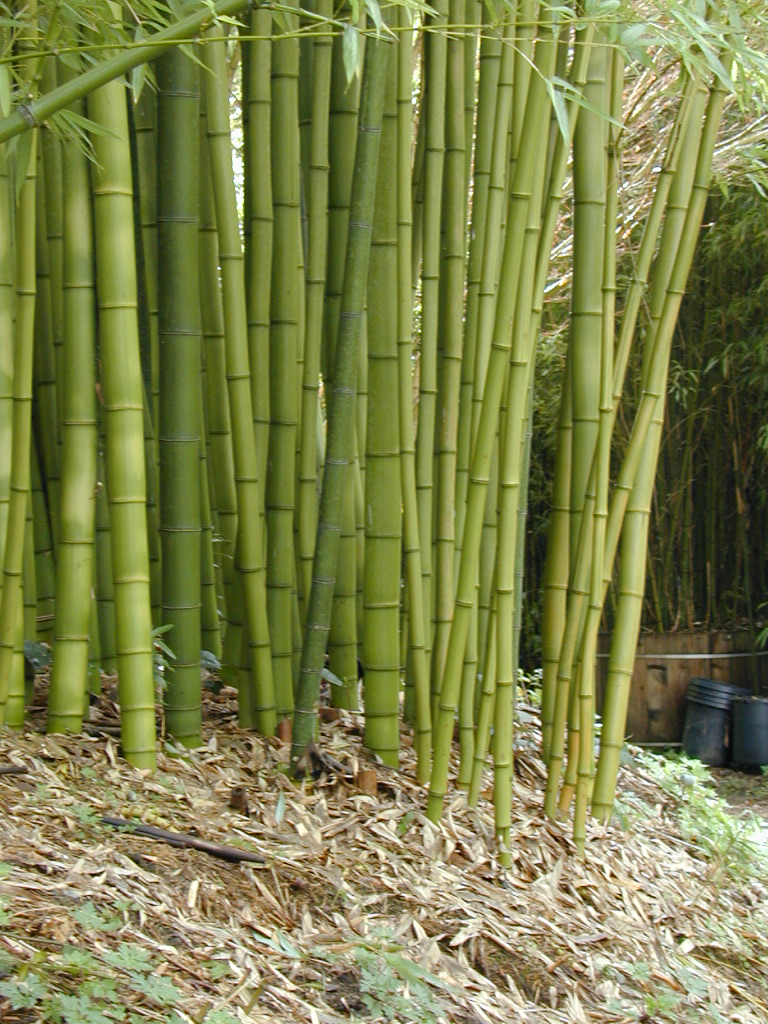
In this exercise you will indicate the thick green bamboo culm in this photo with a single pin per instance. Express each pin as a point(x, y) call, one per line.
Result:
point(383, 521)
point(221, 460)
point(417, 660)
point(285, 347)
point(46, 391)
point(342, 136)
point(341, 419)
point(122, 388)
point(12, 696)
point(586, 306)
point(7, 303)
point(144, 125)
point(67, 698)
point(490, 65)
point(250, 537)
point(317, 230)
point(179, 334)
point(29, 576)
point(103, 585)
point(44, 582)
point(145, 135)
point(258, 227)
point(451, 312)
point(585, 346)
point(602, 460)
point(433, 113)
point(519, 377)
point(51, 149)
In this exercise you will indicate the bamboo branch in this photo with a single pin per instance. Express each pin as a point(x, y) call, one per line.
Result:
point(30, 115)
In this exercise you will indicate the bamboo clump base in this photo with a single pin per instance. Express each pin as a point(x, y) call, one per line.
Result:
point(556, 938)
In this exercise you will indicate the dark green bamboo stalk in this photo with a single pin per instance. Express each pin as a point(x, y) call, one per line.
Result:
point(284, 350)
point(417, 660)
point(20, 252)
point(144, 124)
point(179, 331)
point(45, 390)
point(43, 584)
point(259, 230)
point(490, 64)
point(103, 585)
point(145, 135)
point(383, 523)
point(29, 580)
point(221, 462)
point(250, 538)
point(210, 630)
point(433, 111)
point(342, 141)
point(317, 210)
point(51, 147)
point(451, 297)
point(11, 687)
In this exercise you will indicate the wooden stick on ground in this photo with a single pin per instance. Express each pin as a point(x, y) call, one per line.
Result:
point(230, 853)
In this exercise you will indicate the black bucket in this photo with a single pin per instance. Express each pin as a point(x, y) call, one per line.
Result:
point(708, 720)
point(750, 732)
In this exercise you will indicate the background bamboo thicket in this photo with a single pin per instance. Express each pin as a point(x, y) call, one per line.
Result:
point(297, 415)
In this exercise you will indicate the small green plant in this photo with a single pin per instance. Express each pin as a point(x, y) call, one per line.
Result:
point(733, 845)
point(90, 918)
point(163, 657)
point(662, 1004)
point(76, 987)
point(395, 988)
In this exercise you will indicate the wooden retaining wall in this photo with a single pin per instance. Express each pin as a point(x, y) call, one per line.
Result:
point(664, 665)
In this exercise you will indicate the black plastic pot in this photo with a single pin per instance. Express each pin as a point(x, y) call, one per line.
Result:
point(750, 732)
point(708, 720)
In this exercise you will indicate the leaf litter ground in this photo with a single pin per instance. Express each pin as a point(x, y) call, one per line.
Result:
point(362, 909)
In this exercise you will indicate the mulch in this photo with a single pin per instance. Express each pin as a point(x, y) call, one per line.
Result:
point(355, 905)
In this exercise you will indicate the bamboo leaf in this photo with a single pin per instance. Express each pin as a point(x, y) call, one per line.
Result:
point(374, 11)
point(351, 52)
point(330, 677)
point(282, 21)
point(74, 125)
point(561, 112)
point(138, 77)
point(280, 808)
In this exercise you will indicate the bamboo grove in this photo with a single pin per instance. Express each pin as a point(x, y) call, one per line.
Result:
point(280, 408)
